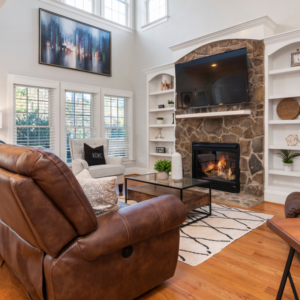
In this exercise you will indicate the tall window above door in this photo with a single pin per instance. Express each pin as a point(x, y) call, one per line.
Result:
point(115, 11)
point(155, 12)
point(86, 5)
point(156, 9)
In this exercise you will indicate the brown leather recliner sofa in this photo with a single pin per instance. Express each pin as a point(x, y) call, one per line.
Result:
point(51, 238)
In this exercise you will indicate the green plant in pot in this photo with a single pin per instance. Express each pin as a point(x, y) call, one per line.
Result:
point(163, 167)
point(288, 159)
point(170, 103)
point(160, 120)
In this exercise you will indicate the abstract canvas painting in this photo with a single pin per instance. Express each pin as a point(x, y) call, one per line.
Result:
point(71, 44)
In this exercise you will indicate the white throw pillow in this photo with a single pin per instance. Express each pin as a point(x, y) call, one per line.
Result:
point(101, 192)
point(84, 174)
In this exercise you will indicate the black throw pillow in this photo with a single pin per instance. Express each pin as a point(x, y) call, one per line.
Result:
point(93, 156)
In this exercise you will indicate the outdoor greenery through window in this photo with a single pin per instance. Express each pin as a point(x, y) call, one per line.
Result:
point(32, 108)
point(79, 118)
point(117, 126)
point(156, 9)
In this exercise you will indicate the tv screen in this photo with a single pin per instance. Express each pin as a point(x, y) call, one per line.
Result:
point(220, 79)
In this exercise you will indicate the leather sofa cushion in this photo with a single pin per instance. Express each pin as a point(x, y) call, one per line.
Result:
point(50, 227)
point(131, 225)
point(10, 211)
point(56, 180)
point(106, 170)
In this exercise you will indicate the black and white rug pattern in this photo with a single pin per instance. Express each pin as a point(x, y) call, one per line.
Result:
point(199, 240)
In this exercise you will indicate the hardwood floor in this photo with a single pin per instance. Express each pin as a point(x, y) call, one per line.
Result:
point(249, 268)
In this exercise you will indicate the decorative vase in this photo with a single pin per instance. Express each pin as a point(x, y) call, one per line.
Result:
point(171, 105)
point(160, 121)
point(176, 167)
point(166, 78)
point(292, 140)
point(288, 167)
point(162, 176)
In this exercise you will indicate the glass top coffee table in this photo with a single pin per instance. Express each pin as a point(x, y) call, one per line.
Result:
point(148, 186)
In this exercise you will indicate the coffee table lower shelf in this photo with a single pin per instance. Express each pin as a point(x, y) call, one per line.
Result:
point(191, 199)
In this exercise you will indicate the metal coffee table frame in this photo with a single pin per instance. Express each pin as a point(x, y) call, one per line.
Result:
point(200, 183)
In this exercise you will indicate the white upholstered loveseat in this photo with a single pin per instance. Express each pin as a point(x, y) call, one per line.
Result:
point(113, 165)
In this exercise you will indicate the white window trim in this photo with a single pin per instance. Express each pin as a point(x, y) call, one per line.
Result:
point(119, 94)
point(34, 82)
point(148, 25)
point(94, 16)
point(67, 86)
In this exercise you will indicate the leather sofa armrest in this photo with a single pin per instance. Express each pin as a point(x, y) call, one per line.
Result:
point(78, 165)
point(112, 160)
point(292, 205)
point(131, 225)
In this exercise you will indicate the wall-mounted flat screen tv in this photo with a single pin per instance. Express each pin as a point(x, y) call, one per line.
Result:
point(220, 79)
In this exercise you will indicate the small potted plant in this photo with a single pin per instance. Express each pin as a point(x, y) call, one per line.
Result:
point(288, 159)
point(160, 120)
point(170, 103)
point(163, 167)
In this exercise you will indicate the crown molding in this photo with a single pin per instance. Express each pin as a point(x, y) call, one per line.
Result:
point(159, 68)
point(282, 37)
point(264, 20)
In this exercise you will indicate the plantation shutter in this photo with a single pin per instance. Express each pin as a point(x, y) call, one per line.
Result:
point(34, 117)
point(81, 113)
point(117, 116)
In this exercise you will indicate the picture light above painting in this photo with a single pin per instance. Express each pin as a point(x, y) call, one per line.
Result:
point(70, 44)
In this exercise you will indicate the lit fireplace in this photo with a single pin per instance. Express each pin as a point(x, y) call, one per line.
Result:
point(218, 163)
point(219, 169)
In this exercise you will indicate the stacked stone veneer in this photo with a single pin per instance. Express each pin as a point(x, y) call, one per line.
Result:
point(248, 131)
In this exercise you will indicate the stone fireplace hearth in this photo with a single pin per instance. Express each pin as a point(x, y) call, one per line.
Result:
point(248, 131)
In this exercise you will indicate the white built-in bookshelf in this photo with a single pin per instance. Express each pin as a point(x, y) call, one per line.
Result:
point(282, 81)
point(156, 97)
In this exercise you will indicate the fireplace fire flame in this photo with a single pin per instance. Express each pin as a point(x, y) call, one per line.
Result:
point(218, 166)
point(218, 169)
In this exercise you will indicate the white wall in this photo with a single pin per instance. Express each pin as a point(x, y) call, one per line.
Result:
point(19, 36)
point(190, 19)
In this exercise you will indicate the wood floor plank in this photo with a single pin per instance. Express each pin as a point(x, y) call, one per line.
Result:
point(250, 268)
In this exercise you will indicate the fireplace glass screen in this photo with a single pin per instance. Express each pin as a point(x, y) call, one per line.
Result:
point(218, 163)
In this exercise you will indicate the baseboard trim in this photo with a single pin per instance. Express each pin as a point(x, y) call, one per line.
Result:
point(135, 170)
point(275, 196)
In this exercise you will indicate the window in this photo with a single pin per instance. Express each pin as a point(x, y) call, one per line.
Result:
point(33, 117)
point(156, 9)
point(86, 5)
point(79, 117)
point(116, 11)
point(117, 126)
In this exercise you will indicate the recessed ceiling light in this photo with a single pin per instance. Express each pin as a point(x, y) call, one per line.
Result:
point(214, 65)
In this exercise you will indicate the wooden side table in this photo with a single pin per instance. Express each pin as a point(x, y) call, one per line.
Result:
point(289, 231)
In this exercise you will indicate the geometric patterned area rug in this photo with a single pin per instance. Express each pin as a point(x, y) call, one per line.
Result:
point(204, 238)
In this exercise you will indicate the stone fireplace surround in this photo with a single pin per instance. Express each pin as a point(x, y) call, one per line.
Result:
point(248, 131)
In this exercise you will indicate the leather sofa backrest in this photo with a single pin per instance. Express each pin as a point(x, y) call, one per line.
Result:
point(32, 215)
point(77, 148)
point(54, 178)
